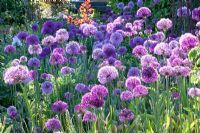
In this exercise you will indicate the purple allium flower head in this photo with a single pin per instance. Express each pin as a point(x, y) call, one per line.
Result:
point(107, 74)
point(34, 62)
point(92, 100)
point(133, 71)
point(89, 29)
point(139, 51)
point(188, 41)
point(82, 88)
point(150, 44)
point(97, 53)
point(99, 90)
point(143, 12)
point(149, 61)
point(48, 27)
point(99, 36)
point(192, 92)
point(59, 107)
point(183, 12)
point(47, 87)
point(80, 108)
point(35, 27)
point(140, 91)
point(109, 50)
point(45, 51)
point(48, 40)
point(53, 124)
point(175, 95)
point(72, 60)
point(66, 70)
point(173, 44)
point(162, 49)
point(140, 3)
point(166, 71)
point(182, 71)
point(68, 95)
point(72, 48)
point(120, 5)
point(62, 35)
point(32, 40)
point(12, 112)
point(46, 76)
point(23, 59)
point(159, 36)
point(126, 115)
point(16, 74)
point(196, 14)
point(116, 38)
point(56, 59)
point(116, 92)
point(126, 96)
point(35, 49)
point(122, 50)
point(9, 49)
point(136, 41)
point(164, 24)
point(33, 74)
point(59, 50)
point(132, 82)
point(131, 4)
point(22, 35)
point(149, 74)
point(89, 117)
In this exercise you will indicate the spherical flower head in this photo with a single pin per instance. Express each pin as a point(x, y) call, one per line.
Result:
point(92, 100)
point(162, 49)
point(139, 3)
point(183, 12)
point(32, 40)
point(175, 95)
point(149, 74)
point(158, 36)
point(149, 61)
point(136, 41)
point(59, 107)
point(182, 71)
point(15, 62)
point(66, 70)
point(72, 48)
point(196, 14)
point(198, 24)
point(12, 112)
point(166, 71)
point(48, 27)
point(126, 115)
point(122, 50)
point(109, 50)
point(89, 117)
point(133, 71)
point(53, 125)
point(99, 90)
point(82, 88)
point(34, 62)
point(132, 82)
point(107, 74)
point(89, 29)
point(35, 27)
point(33, 74)
point(80, 108)
point(22, 35)
point(99, 36)
point(126, 96)
point(164, 24)
point(47, 88)
point(150, 45)
point(9, 49)
point(116, 92)
point(188, 41)
point(140, 91)
point(23, 59)
point(62, 35)
point(97, 54)
point(120, 5)
point(173, 44)
point(56, 59)
point(143, 12)
point(45, 51)
point(59, 51)
point(139, 51)
point(116, 38)
point(131, 4)
point(46, 76)
point(16, 74)
point(194, 92)
point(48, 40)
point(35, 49)
point(68, 95)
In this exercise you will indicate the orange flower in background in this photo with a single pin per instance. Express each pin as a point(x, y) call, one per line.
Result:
point(86, 12)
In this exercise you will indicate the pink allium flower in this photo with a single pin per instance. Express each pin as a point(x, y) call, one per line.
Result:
point(61, 35)
point(139, 51)
point(59, 107)
point(140, 91)
point(9, 49)
point(53, 125)
point(126, 115)
point(132, 82)
point(99, 90)
point(126, 96)
point(149, 61)
point(166, 71)
point(35, 49)
point(107, 74)
point(192, 92)
point(143, 12)
point(188, 41)
point(149, 75)
point(164, 24)
point(89, 117)
point(48, 41)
